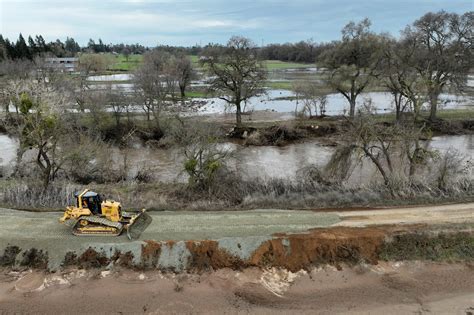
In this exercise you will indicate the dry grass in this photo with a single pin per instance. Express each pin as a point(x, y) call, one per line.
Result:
point(230, 192)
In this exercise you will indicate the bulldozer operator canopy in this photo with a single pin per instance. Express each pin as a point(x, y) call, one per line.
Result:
point(87, 194)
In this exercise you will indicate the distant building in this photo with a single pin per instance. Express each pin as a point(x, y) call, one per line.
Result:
point(63, 64)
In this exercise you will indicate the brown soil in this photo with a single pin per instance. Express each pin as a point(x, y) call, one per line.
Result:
point(303, 251)
point(293, 251)
point(321, 246)
point(390, 288)
point(150, 253)
point(207, 256)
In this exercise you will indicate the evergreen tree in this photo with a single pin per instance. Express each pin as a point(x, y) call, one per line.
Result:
point(101, 47)
point(10, 50)
point(57, 48)
point(32, 46)
point(41, 44)
point(3, 49)
point(71, 46)
point(22, 49)
point(91, 45)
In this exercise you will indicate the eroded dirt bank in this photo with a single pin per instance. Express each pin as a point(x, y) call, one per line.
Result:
point(388, 288)
point(292, 251)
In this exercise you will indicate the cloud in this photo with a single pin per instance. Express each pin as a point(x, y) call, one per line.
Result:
point(185, 22)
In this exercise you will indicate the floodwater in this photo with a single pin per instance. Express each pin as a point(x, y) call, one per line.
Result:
point(8, 146)
point(282, 101)
point(251, 162)
point(111, 77)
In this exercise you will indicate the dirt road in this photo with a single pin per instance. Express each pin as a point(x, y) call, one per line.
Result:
point(18, 225)
point(180, 237)
point(454, 213)
point(388, 288)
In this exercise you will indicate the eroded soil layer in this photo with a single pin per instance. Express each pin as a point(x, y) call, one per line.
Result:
point(294, 252)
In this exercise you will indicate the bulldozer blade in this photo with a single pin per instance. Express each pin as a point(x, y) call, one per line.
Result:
point(139, 224)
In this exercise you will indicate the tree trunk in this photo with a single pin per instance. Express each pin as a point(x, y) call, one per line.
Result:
point(433, 105)
point(352, 99)
point(416, 108)
point(398, 104)
point(19, 156)
point(182, 89)
point(412, 157)
point(238, 114)
point(117, 118)
point(352, 107)
point(46, 169)
point(379, 166)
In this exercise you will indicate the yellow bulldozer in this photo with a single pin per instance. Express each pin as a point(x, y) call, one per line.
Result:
point(93, 216)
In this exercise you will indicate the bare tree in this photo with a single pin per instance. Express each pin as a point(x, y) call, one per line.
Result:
point(401, 79)
point(354, 61)
point(444, 51)
point(154, 82)
point(311, 97)
point(88, 64)
point(236, 73)
point(14, 76)
point(118, 101)
point(450, 165)
point(126, 53)
point(184, 73)
point(386, 147)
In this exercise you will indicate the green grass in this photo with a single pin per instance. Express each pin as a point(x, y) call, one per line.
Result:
point(446, 114)
point(456, 114)
point(194, 58)
point(196, 94)
point(122, 64)
point(270, 64)
point(281, 65)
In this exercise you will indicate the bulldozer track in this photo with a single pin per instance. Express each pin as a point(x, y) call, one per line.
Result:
point(98, 222)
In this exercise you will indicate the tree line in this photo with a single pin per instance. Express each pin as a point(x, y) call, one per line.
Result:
point(37, 46)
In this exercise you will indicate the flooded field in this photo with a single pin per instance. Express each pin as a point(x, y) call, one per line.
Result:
point(283, 100)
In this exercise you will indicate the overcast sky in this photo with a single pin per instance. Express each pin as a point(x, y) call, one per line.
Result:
point(179, 22)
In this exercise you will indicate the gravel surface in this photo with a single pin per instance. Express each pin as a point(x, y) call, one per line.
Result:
point(20, 225)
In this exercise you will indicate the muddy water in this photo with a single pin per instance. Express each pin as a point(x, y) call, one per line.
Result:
point(280, 101)
point(252, 162)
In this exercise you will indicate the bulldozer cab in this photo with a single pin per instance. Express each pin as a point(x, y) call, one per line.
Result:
point(89, 200)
